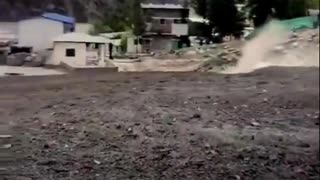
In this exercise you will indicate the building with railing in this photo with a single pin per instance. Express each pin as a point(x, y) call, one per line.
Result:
point(166, 26)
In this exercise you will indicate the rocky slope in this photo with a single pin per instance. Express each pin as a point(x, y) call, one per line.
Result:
point(20, 9)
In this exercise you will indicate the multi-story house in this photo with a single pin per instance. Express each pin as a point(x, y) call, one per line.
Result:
point(166, 26)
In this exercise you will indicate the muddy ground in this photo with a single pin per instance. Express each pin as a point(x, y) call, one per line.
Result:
point(161, 126)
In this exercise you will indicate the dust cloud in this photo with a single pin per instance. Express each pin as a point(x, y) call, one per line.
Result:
point(272, 47)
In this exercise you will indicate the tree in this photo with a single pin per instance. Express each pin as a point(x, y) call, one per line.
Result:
point(314, 4)
point(297, 8)
point(137, 18)
point(223, 15)
point(200, 6)
point(261, 10)
point(108, 15)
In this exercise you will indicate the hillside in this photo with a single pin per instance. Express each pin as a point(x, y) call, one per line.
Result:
point(20, 9)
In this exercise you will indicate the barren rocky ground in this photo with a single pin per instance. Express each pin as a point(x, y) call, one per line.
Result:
point(161, 126)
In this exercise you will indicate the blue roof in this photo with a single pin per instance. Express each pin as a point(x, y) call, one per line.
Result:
point(59, 17)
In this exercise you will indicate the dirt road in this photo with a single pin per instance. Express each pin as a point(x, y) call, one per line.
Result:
point(161, 126)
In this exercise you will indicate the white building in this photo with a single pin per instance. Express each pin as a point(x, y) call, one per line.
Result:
point(38, 32)
point(79, 50)
point(83, 27)
point(11, 27)
point(166, 28)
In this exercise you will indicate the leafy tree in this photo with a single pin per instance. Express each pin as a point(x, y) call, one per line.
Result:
point(297, 8)
point(314, 4)
point(200, 6)
point(108, 15)
point(261, 10)
point(223, 15)
point(137, 19)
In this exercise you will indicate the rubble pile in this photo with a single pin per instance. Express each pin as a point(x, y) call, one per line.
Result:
point(25, 59)
point(296, 40)
point(227, 55)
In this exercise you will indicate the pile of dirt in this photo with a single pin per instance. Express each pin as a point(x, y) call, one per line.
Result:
point(217, 61)
point(273, 47)
point(183, 126)
point(25, 59)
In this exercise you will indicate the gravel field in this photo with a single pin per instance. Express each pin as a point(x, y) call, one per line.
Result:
point(161, 126)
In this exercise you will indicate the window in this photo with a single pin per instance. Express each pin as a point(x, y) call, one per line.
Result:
point(135, 41)
point(70, 52)
point(140, 41)
point(162, 21)
point(147, 41)
point(176, 21)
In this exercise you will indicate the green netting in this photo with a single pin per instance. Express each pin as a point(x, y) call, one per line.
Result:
point(299, 23)
point(296, 24)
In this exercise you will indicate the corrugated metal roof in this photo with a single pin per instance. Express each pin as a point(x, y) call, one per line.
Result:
point(80, 38)
point(59, 17)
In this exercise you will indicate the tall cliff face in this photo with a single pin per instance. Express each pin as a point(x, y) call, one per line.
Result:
point(14, 10)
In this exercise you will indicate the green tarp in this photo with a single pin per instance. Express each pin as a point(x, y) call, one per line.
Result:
point(296, 24)
point(300, 23)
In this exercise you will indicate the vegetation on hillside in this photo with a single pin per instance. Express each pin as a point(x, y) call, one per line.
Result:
point(223, 15)
point(14, 10)
point(228, 20)
point(261, 10)
point(123, 15)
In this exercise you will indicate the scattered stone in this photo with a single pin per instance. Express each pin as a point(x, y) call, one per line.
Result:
point(207, 145)
point(295, 44)
point(60, 170)
point(4, 136)
point(7, 146)
point(22, 178)
point(49, 162)
point(196, 116)
point(237, 177)
point(118, 126)
point(97, 162)
point(213, 152)
point(304, 145)
point(255, 124)
point(129, 130)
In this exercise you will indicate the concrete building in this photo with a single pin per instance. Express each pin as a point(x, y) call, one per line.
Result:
point(166, 29)
point(115, 39)
point(39, 32)
point(78, 50)
point(10, 27)
point(83, 27)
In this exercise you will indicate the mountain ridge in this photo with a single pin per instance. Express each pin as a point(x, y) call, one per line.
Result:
point(11, 11)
